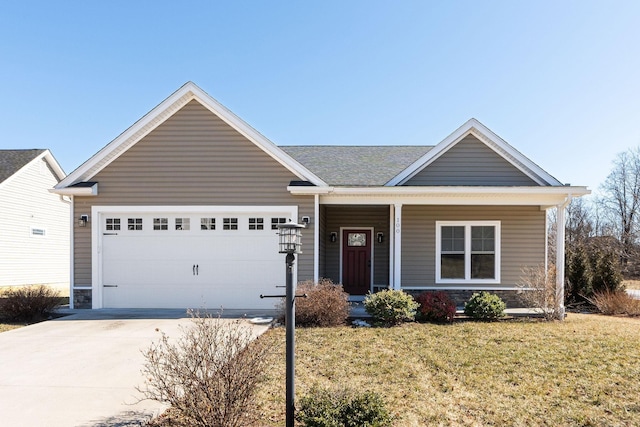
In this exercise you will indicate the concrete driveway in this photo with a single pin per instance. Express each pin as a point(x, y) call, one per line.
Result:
point(82, 369)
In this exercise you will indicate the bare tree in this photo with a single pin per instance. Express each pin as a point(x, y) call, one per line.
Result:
point(620, 199)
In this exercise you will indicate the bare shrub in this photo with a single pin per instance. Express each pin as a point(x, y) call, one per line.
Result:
point(29, 303)
point(538, 290)
point(210, 374)
point(326, 304)
point(614, 303)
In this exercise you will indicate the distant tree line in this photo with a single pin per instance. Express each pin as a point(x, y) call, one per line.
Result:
point(603, 233)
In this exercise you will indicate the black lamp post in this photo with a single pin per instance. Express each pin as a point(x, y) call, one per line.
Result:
point(290, 243)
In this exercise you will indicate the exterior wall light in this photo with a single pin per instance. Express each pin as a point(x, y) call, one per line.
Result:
point(84, 219)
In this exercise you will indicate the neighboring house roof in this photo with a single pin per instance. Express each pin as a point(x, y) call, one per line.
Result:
point(190, 91)
point(356, 165)
point(11, 161)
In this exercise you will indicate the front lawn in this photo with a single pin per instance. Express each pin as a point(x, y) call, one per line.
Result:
point(583, 371)
point(8, 326)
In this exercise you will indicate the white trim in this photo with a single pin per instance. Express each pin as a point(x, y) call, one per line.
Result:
point(391, 246)
point(158, 115)
point(72, 276)
point(76, 191)
point(443, 195)
point(464, 288)
point(467, 252)
point(397, 246)
point(316, 238)
point(372, 244)
point(98, 212)
point(491, 140)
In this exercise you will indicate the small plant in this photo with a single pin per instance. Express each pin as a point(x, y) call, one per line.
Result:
point(484, 306)
point(390, 306)
point(538, 290)
point(343, 407)
point(614, 303)
point(209, 375)
point(29, 303)
point(326, 304)
point(436, 307)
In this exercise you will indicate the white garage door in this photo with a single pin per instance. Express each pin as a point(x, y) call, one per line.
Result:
point(191, 259)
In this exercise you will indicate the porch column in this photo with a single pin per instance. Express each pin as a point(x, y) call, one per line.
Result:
point(397, 246)
point(391, 235)
point(560, 233)
point(316, 238)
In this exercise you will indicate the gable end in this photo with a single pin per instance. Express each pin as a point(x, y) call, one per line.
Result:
point(471, 162)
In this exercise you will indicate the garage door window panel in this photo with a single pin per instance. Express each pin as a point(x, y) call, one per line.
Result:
point(160, 223)
point(256, 223)
point(112, 224)
point(230, 223)
point(207, 223)
point(183, 224)
point(134, 224)
point(276, 221)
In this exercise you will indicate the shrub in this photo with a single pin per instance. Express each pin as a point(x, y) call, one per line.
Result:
point(436, 307)
point(484, 306)
point(29, 303)
point(616, 303)
point(592, 267)
point(209, 375)
point(391, 306)
point(326, 304)
point(538, 290)
point(343, 407)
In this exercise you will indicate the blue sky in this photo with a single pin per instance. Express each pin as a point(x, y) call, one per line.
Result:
point(559, 80)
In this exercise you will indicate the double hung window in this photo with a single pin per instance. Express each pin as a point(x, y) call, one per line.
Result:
point(468, 252)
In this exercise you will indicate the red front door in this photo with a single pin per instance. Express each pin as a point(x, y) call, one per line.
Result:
point(356, 261)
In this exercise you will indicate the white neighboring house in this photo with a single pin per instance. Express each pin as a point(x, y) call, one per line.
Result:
point(34, 223)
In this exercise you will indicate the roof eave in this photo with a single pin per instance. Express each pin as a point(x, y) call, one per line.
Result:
point(77, 191)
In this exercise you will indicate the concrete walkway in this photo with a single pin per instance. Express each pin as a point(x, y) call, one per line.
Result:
point(81, 370)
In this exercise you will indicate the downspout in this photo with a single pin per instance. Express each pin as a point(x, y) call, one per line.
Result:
point(69, 201)
point(560, 245)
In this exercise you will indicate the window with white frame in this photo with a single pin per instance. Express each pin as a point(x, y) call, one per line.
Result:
point(207, 223)
point(256, 223)
point(183, 224)
point(229, 223)
point(134, 224)
point(276, 221)
point(112, 224)
point(160, 223)
point(468, 251)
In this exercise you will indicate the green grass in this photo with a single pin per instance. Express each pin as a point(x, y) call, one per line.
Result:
point(583, 371)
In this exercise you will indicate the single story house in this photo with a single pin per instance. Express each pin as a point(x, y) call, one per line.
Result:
point(183, 207)
point(34, 223)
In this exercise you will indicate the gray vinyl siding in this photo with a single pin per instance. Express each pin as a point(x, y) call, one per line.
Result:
point(355, 217)
point(522, 239)
point(193, 158)
point(470, 162)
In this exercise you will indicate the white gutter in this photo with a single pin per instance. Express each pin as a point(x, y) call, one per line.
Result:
point(76, 191)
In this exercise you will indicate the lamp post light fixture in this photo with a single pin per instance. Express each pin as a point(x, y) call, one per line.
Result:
point(290, 243)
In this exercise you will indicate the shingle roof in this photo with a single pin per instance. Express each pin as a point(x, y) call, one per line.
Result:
point(356, 165)
point(12, 160)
